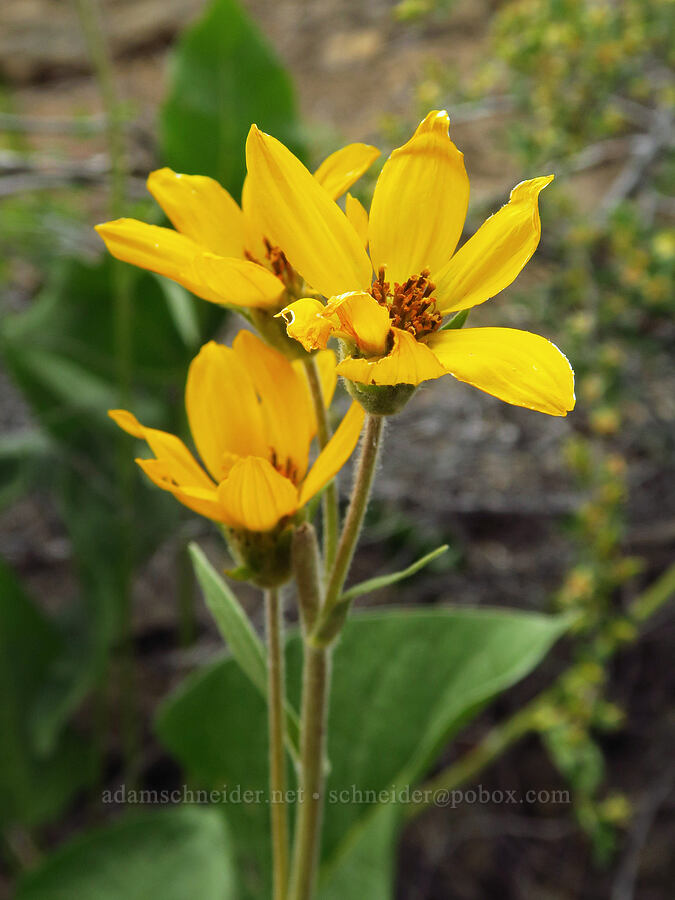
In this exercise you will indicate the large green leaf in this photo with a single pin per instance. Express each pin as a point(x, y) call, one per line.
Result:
point(173, 854)
point(404, 681)
point(225, 76)
point(33, 786)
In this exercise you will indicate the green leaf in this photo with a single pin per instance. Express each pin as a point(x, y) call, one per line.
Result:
point(61, 352)
point(381, 581)
point(172, 854)
point(23, 457)
point(366, 867)
point(225, 76)
point(404, 682)
point(235, 627)
point(458, 320)
point(233, 623)
point(182, 310)
point(33, 786)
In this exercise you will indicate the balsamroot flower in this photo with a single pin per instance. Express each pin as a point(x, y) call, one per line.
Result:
point(392, 323)
point(217, 249)
point(252, 421)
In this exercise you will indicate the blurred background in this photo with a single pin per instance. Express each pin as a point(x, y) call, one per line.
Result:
point(99, 614)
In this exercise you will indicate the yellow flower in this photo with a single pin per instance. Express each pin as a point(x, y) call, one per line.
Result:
point(252, 421)
point(393, 323)
point(217, 249)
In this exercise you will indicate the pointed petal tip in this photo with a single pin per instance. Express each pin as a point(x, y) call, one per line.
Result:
point(531, 188)
point(436, 120)
point(128, 422)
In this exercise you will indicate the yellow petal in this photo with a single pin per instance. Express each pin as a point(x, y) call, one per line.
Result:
point(160, 250)
point(516, 366)
point(362, 319)
point(335, 454)
point(179, 465)
point(409, 362)
point(238, 282)
point(325, 362)
point(420, 203)
point(253, 226)
point(223, 409)
point(201, 209)
point(298, 215)
point(491, 259)
point(305, 322)
point(341, 169)
point(201, 500)
point(358, 216)
point(254, 496)
point(285, 406)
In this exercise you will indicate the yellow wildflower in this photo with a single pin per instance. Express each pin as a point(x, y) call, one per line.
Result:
point(252, 421)
point(393, 323)
point(217, 249)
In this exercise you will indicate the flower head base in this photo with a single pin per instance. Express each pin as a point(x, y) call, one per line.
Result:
point(394, 335)
point(252, 421)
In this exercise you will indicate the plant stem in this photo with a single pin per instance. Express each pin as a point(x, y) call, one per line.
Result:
point(315, 690)
point(331, 509)
point(306, 569)
point(334, 611)
point(277, 758)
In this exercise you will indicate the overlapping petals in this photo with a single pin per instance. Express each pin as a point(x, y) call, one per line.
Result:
point(416, 219)
point(216, 250)
point(300, 216)
point(252, 421)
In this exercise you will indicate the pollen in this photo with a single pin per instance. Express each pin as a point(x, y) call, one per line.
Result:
point(279, 265)
point(286, 468)
point(411, 305)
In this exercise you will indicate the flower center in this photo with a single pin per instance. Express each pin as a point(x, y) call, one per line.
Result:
point(411, 305)
point(286, 468)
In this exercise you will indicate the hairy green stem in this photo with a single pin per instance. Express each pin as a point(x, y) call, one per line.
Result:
point(277, 759)
point(306, 569)
point(331, 509)
point(335, 609)
point(315, 692)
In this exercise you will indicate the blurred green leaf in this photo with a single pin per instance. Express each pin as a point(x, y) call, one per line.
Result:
point(23, 454)
point(225, 76)
point(62, 354)
point(33, 787)
point(424, 674)
point(172, 854)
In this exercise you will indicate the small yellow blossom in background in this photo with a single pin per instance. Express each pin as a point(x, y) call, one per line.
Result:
point(218, 250)
point(252, 421)
point(393, 324)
